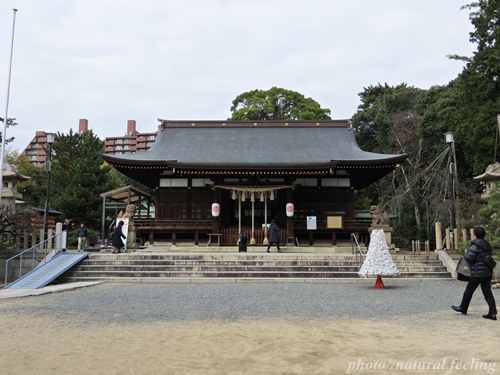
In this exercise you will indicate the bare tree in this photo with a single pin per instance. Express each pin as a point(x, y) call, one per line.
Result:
point(15, 218)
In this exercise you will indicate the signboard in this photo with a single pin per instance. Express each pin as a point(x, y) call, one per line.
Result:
point(311, 223)
point(124, 229)
point(334, 222)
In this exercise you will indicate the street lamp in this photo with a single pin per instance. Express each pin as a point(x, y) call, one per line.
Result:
point(50, 140)
point(455, 215)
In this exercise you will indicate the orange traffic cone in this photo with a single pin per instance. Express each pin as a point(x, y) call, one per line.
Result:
point(379, 284)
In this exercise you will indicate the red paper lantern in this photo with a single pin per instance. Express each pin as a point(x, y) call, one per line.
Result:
point(215, 209)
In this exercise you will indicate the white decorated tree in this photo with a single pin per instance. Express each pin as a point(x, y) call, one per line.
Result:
point(378, 260)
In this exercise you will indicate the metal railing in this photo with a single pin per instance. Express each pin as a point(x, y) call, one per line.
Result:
point(356, 249)
point(50, 244)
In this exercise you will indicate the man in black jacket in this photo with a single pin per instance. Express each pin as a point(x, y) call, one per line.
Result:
point(82, 236)
point(481, 274)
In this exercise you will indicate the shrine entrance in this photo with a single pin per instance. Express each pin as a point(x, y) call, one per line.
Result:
point(254, 207)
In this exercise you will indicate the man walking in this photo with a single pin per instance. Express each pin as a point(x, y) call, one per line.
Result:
point(82, 236)
point(480, 274)
point(274, 235)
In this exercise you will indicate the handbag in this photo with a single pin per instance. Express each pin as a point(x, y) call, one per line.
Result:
point(463, 270)
point(487, 259)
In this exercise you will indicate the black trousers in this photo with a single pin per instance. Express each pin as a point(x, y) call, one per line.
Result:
point(472, 285)
point(271, 243)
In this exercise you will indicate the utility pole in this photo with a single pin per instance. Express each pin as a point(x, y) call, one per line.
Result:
point(455, 211)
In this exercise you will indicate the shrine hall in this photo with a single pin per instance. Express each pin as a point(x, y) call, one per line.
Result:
point(218, 179)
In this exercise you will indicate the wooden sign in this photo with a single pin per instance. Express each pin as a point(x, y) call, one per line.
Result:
point(334, 222)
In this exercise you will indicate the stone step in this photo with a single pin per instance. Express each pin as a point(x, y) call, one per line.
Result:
point(241, 266)
point(80, 275)
point(237, 256)
point(283, 263)
point(253, 268)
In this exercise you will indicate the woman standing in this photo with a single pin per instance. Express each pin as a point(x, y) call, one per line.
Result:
point(480, 274)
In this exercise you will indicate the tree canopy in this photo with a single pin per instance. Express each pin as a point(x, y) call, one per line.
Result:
point(79, 176)
point(276, 104)
point(488, 217)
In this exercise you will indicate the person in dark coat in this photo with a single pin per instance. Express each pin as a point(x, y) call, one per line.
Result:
point(117, 238)
point(67, 225)
point(274, 236)
point(242, 244)
point(480, 273)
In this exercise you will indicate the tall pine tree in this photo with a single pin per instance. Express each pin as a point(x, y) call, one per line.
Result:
point(78, 178)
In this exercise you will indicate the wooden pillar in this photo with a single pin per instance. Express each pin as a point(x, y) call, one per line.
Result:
point(265, 241)
point(289, 220)
point(215, 225)
point(216, 197)
point(239, 213)
point(252, 198)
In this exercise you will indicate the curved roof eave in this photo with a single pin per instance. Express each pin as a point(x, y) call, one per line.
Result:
point(307, 146)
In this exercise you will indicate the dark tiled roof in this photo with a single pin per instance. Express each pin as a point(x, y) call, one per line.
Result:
point(250, 144)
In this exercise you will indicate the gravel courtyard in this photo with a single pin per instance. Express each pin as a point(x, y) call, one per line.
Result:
point(249, 328)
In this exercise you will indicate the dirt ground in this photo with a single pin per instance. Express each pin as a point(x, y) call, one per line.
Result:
point(438, 343)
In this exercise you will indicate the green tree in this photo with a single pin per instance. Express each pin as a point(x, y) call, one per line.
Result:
point(479, 88)
point(389, 121)
point(488, 217)
point(382, 111)
point(276, 104)
point(78, 177)
point(485, 19)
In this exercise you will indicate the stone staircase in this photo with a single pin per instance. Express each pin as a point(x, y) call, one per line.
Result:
point(190, 266)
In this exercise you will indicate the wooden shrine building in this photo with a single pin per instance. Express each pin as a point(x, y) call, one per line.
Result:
point(253, 170)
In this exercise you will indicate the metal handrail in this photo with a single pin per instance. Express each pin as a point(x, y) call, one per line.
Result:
point(353, 237)
point(33, 249)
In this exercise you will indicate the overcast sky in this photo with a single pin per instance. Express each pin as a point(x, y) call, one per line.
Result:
point(110, 61)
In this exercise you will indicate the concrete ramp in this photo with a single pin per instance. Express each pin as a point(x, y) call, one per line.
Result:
point(47, 272)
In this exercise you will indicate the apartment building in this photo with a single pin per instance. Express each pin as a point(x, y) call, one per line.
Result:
point(132, 142)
